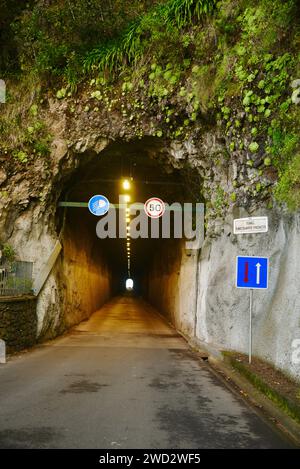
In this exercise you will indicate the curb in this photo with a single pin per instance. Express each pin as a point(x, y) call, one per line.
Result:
point(286, 405)
point(262, 404)
point(238, 382)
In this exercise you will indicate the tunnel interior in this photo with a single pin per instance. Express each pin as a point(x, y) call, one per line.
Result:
point(96, 269)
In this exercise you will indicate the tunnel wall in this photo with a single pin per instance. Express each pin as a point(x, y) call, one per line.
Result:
point(86, 277)
point(171, 284)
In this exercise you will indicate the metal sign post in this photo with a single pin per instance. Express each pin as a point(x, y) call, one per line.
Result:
point(251, 272)
point(250, 326)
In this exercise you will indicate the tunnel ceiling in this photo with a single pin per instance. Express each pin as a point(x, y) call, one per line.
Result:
point(152, 175)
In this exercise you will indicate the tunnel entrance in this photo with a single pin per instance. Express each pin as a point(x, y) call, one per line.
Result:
point(96, 269)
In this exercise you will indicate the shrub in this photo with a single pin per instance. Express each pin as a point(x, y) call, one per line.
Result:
point(288, 187)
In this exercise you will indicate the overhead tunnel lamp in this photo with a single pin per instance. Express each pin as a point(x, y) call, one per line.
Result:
point(126, 184)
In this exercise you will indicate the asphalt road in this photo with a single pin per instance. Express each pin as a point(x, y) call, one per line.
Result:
point(123, 379)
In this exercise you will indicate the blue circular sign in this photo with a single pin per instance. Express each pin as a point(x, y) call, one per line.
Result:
point(98, 205)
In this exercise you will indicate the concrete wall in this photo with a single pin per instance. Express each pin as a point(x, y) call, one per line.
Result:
point(18, 322)
point(202, 301)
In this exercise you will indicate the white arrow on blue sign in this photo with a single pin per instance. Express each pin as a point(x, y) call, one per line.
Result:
point(252, 272)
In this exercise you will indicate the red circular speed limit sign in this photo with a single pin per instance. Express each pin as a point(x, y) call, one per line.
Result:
point(154, 207)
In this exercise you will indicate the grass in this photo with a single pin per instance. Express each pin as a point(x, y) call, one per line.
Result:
point(139, 35)
point(291, 408)
point(288, 187)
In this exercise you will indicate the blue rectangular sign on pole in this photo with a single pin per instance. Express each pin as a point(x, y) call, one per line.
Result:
point(252, 272)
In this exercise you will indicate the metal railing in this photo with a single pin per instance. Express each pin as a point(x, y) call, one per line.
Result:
point(16, 278)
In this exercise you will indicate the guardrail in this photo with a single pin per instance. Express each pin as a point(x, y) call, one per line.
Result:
point(16, 278)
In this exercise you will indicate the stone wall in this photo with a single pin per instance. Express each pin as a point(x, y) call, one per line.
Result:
point(18, 322)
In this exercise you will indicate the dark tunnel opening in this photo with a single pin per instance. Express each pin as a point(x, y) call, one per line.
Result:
point(96, 269)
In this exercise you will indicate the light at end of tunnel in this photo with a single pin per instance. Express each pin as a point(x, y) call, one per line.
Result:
point(129, 284)
point(126, 184)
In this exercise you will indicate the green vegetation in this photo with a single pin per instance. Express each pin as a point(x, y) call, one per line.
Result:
point(52, 37)
point(8, 252)
point(181, 64)
point(290, 407)
point(288, 188)
point(148, 30)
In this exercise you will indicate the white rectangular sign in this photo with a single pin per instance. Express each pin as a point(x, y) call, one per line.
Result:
point(250, 225)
